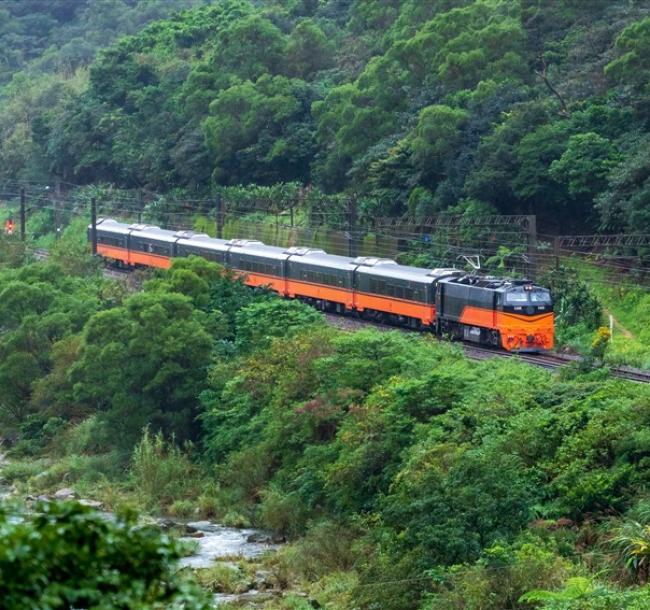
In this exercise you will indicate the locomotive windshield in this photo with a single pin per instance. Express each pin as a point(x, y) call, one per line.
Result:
point(541, 296)
point(522, 296)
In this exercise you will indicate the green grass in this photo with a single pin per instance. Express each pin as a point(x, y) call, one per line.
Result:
point(630, 307)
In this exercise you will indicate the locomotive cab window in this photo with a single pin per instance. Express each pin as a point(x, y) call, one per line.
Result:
point(540, 296)
point(516, 296)
point(523, 296)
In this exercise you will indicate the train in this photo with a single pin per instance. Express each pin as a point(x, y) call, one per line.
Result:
point(511, 314)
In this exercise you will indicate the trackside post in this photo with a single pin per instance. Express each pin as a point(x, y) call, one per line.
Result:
point(93, 225)
point(23, 215)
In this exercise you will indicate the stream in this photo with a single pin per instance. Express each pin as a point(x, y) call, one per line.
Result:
point(216, 544)
point(223, 545)
point(221, 542)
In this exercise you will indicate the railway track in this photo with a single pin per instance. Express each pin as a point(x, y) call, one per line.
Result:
point(546, 361)
point(555, 361)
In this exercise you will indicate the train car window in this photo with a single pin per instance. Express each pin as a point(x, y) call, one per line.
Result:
point(109, 241)
point(159, 249)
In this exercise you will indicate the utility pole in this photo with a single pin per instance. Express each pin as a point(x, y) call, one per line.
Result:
point(93, 225)
point(352, 225)
point(55, 210)
point(532, 245)
point(219, 212)
point(23, 215)
point(140, 206)
point(556, 251)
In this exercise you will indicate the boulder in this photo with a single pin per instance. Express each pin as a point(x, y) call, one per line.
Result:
point(166, 524)
point(259, 538)
point(65, 494)
point(263, 580)
point(96, 504)
point(203, 526)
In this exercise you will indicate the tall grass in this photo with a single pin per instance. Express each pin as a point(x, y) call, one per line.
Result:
point(162, 473)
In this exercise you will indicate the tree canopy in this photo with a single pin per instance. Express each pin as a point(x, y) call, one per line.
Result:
point(525, 107)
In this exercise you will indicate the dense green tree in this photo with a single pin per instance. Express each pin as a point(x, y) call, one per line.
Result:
point(308, 50)
point(261, 130)
point(634, 45)
point(40, 307)
point(258, 322)
point(585, 164)
point(624, 204)
point(67, 556)
point(143, 363)
point(436, 134)
point(347, 95)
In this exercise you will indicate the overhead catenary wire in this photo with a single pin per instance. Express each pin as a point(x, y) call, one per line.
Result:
point(471, 239)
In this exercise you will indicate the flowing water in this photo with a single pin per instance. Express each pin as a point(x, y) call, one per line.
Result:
point(220, 542)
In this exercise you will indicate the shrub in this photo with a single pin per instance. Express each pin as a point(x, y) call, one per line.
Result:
point(67, 556)
point(182, 509)
point(86, 437)
point(284, 513)
point(224, 578)
point(327, 547)
point(161, 472)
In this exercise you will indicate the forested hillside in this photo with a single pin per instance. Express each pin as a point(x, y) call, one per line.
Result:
point(519, 106)
point(402, 475)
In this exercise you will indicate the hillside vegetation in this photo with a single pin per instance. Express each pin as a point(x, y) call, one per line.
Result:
point(513, 106)
point(404, 475)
